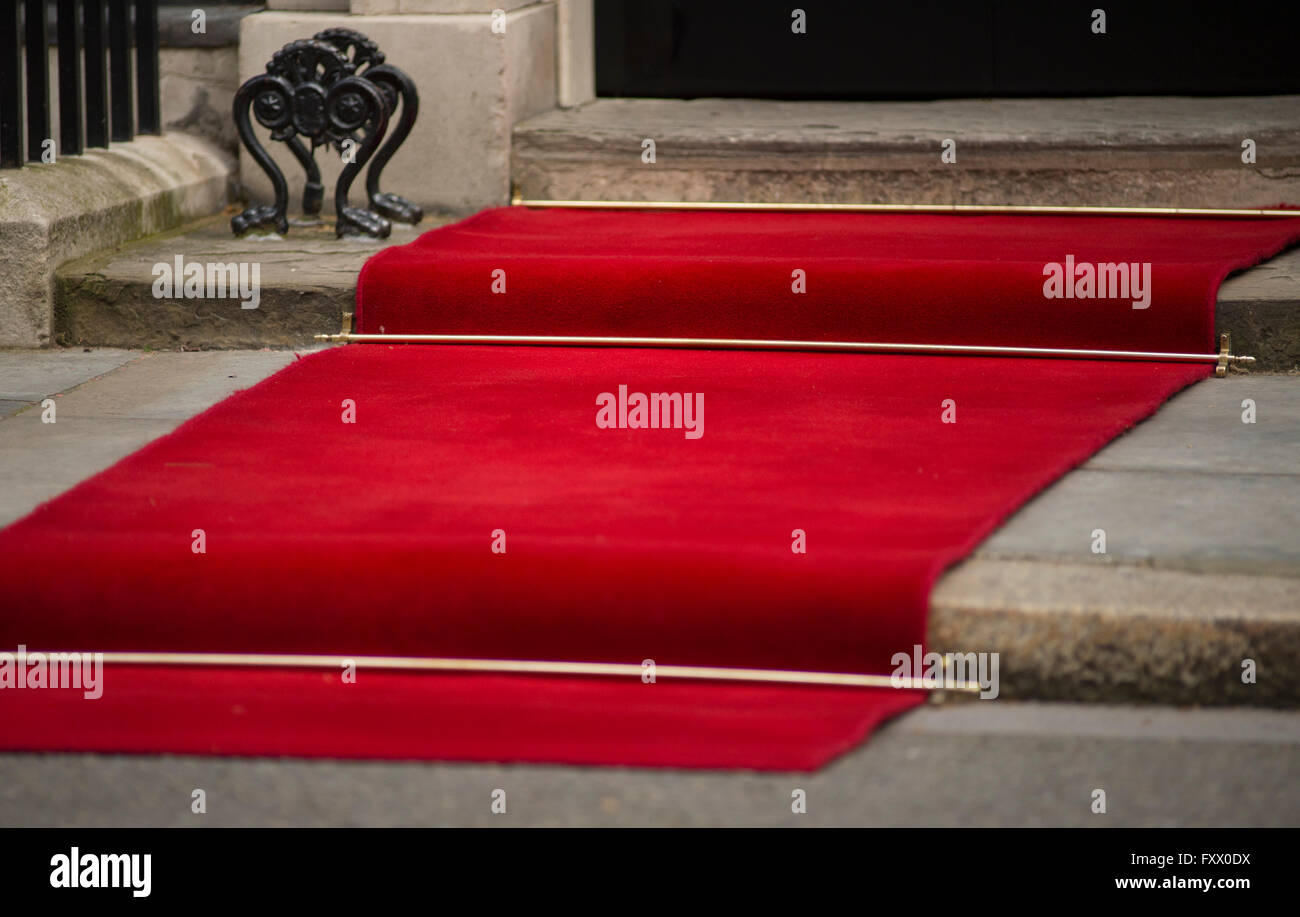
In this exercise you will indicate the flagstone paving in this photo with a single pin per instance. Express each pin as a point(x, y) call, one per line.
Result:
point(101, 417)
point(981, 763)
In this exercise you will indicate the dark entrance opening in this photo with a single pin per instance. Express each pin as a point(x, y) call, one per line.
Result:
point(921, 49)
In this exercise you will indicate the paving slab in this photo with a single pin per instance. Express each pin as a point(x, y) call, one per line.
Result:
point(1206, 523)
point(1201, 430)
point(106, 417)
point(988, 763)
point(31, 375)
point(1193, 488)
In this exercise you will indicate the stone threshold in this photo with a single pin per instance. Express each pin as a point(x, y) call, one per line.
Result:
point(1148, 151)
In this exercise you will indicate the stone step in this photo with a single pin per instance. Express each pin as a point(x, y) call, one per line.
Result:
point(309, 278)
point(1201, 572)
point(1261, 307)
point(1162, 151)
point(1166, 151)
point(1201, 511)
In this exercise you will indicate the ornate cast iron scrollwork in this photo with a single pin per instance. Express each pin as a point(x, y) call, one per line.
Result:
point(396, 85)
point(331, 90)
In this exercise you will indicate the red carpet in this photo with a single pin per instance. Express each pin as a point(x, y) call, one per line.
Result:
point(898, 277)
point(374, 538)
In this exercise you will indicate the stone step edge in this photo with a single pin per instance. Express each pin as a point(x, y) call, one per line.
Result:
point(1123, 634)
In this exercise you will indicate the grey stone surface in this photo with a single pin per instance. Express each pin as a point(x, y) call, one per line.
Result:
point(1195, 489)
point(308, 279)
point(197, 91)
point(221, 25)
point(1201, 430)
point(50, 213)
point(410, 6)
point(987, 763)
point(1014, 125)
point(1137, 151)
point(1276, 280)
point(30, 376)
point(576, 47)
point(1171, 520)
point(107, 417)
point(314, 5)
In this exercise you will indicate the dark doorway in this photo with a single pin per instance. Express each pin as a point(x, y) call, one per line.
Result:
point(920, 49)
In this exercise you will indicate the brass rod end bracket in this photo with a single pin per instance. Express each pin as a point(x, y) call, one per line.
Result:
point(1227, 358)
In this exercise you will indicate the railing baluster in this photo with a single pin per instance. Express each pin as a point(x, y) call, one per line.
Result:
point(70, 136)
point(96, 75)
point(119, 64)
point(37, 29)
point(146, 62)
point(11, 89)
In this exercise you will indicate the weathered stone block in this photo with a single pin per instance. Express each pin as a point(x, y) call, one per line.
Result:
point(51, 213)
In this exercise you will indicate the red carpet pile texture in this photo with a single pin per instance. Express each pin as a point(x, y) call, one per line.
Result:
point(622, 544)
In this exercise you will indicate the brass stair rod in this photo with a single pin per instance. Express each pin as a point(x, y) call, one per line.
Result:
point(539, 667)
point(1223, 358)
point(1046, 210)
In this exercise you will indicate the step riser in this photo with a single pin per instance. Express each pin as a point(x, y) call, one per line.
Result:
point(1120, 660)
point(306, 282)
point(812, 180)
point(94, 312)
point(1128, 633)
point(1267, 331)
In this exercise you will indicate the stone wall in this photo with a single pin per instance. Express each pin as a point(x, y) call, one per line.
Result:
point(199, 70)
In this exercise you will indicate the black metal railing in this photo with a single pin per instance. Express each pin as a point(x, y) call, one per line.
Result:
point(103, 93)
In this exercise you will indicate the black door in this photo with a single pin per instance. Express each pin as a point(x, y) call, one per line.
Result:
point(920, 49)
